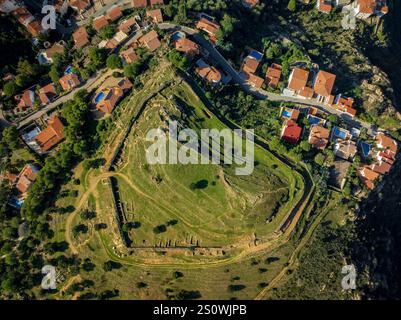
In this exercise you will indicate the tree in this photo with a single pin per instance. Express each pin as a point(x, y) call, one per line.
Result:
point(133, 70)
point(113, 62)
point(178, 60)
point(292, 5)
point(107, 32)
point(319, 159)
point(97, 57)
point(11, 137)
point(10, 88)
point(305, 146)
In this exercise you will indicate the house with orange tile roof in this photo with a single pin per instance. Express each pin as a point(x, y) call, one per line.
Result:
point(114, 13)
point(25, 101)
point(128, 25)
point(129, 55)
point(297, 80)
point(26, 19)
point(250, 65)
point(210, 27)
point(345, 149)
point(187, 46)
point(80, 5)
point(254, 80)
point(156, 2)
point(273, 75)
point(46, 56)
point(81, 38)
point(323, 86)
point(113, 95)
point(51, 136)
point(367, 176)
point(344, 105)
point(386, 143)
point(319, 137)
point(139, 3)
point(324, 6)
point(289, 113)
point(100, 22)
point(47, 94)
point(26, 179)
point(150, 40)
point(291, 132)
point(156, 15)
point(249, 3)
point(208, 73)
point(69, 81)
point(381, 167)
point(366, 8)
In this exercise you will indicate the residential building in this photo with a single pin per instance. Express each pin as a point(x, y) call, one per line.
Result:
point(319, 137)
point(156, 2)
point(324, 6)
point(289, 113)
point(273, 75)
point(345, 105)
point(25, 101)
point(367, 176)
point(150, 40)
point(366, 8)
point(51, 136)
point(139, 3)
point(81, 38)
point(46, 56)
point(249, 3)
point(208, 73)
point(26, 179)
point(156, 15)
point(100, 22)
point(254, 80)
point(114, 13)
point(128, 25)
point(187, 46)
point(385, 142)
point(112, 95)
point(209, 27)
point(47, 94)
point(80, 5)
point(297, 80)
point(69, 81)
point(323, 86)
point(129, 55)
point(291, 132)
point(345, 149)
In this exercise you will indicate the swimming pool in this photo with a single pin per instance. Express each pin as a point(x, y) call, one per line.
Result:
point(256, 55)
point(68, 70)
point(340, 134)
point(99, 97)
point(365, 149)
point(314, 120)
point(177, 35)
point(16, 203)
point(286, 114)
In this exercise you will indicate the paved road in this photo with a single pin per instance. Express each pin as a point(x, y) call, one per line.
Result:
point(100, 74)
point(259, 93)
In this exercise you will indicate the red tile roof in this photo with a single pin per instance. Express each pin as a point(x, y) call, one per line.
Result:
point(129, 55)
point(187, 46)
point(79, 5)
point(291, 132)
point(324, 83)
point(47, 93)
point(298, 79)
point(114, 13)
point(26, 178)
point(100, 22)
point(139, 3)
point(273, 75)
point(386, 142)
point(81, 37)
point(250, 65)
point(319, 137)
point(367, 176)
point(151, 40)
point(50, 136)
point(156, 15)
point(69, 81)
point(208, 26)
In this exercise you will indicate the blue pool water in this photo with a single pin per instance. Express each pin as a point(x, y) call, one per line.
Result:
point(14, 202)
point(340, 134)
point(286, 114)
point(365, 149)
point(256, 55)
point(68, 70)
point(177, 35)
point(99, 97)
point(313, 120)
